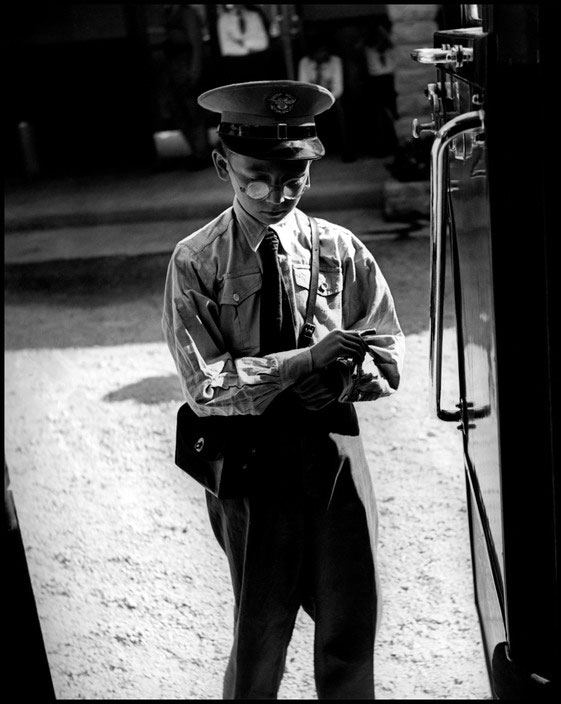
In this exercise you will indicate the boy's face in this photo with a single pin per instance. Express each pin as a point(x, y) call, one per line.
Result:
point(240, 170)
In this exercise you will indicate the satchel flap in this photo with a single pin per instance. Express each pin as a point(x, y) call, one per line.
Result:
point(198, 436)
point(216, 451)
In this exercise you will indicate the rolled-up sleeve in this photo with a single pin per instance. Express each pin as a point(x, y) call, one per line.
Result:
point(368, 304)
point(214, 382)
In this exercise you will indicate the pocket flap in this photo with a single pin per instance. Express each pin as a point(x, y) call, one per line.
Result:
point(238, 288)
point(330, 281)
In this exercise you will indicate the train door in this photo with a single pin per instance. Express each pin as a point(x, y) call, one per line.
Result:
point(489, 205)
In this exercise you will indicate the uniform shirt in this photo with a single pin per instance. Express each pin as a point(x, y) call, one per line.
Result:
point(211, 312)
point(380, 64)
point(241, 38)
point(328, 74)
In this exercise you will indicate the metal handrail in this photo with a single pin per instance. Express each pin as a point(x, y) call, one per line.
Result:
point(452, 129)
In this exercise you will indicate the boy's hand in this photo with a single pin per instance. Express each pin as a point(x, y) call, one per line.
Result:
point(338, 343)
point(317, 390)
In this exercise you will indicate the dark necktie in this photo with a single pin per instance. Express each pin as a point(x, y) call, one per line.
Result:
point(277, 330)
point(241, 21)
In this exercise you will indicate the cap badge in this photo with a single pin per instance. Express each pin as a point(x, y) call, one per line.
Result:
point(281, 103)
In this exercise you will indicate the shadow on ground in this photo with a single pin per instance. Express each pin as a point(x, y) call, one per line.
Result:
point(149, 391)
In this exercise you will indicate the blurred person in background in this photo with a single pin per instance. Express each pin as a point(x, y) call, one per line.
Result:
point(183, 79)
point(244, 44)
point(325, 68)
point(380, 97)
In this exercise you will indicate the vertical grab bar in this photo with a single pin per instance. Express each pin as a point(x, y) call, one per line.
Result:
point(458, 125)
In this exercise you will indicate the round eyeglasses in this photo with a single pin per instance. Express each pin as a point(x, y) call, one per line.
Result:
point(259, 190)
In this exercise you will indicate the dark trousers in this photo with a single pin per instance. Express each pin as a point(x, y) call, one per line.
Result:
point(333, 131)
point(187, 114)
point(300, 539)
point(380, 103)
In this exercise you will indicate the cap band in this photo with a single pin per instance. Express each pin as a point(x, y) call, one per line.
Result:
point(280, 131)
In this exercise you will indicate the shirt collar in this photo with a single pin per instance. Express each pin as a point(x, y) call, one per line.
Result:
point(255, 231)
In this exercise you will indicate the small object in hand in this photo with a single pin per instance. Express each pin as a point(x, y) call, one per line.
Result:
point(367, 335)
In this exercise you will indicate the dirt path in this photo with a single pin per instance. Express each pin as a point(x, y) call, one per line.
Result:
point(132, 590)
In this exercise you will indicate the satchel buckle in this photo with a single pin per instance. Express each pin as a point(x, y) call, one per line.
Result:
point(200, 444)
point(307, 332)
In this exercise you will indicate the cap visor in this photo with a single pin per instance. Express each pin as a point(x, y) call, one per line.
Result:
point(289, 150)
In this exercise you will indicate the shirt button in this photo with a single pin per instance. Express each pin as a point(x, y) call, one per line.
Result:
point(236, 297)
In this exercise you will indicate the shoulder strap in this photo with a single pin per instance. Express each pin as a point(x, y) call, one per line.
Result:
point(309, 327)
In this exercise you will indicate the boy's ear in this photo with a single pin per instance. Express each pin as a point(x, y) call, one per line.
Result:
point(220, 164)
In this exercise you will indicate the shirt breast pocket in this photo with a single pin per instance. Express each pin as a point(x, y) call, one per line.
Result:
point(329, 292)
point(239, 313)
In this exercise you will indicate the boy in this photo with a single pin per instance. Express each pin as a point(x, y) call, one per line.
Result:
point(304, 534)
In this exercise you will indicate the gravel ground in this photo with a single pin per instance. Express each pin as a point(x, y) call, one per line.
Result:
point(133, 592)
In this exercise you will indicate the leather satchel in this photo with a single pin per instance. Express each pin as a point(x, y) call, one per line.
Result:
point(219, 451)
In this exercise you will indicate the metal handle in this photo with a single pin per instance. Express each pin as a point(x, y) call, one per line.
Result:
point(432, 56)
point(456, 56)
point(453, 128)
point(420, 129)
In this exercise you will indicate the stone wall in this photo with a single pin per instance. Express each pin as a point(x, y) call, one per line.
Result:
point(412, 27)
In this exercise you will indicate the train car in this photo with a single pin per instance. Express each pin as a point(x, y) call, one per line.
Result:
point(492, 199)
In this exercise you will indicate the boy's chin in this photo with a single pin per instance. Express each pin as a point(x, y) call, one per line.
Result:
point(273, 215)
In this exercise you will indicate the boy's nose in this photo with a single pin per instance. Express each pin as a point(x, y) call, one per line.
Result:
point(276, 196)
